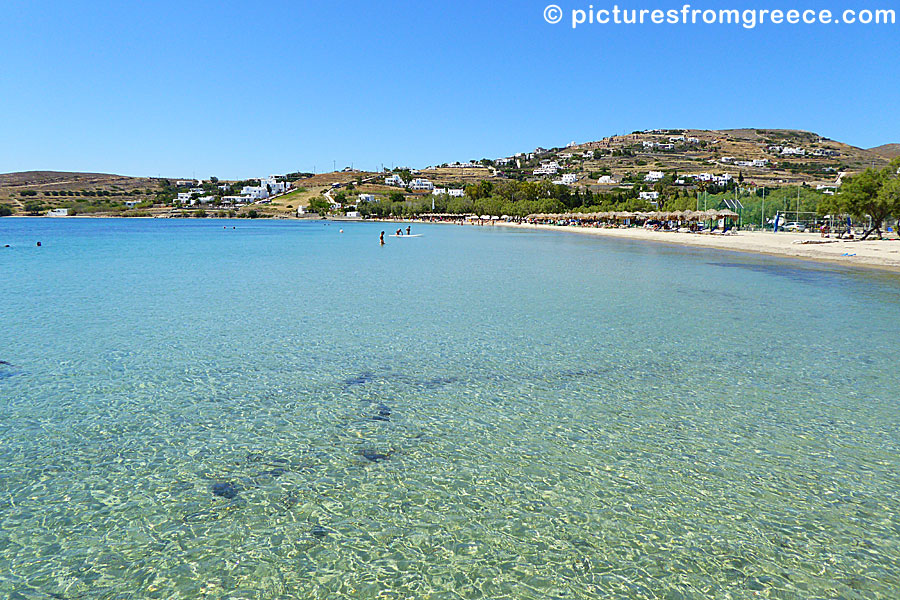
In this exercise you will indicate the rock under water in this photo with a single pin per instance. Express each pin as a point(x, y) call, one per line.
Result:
point(224, 490)
point(360, 379)
point(383, 413)
point(374, 455)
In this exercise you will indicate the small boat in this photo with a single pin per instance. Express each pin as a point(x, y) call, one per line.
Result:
point(405, 236)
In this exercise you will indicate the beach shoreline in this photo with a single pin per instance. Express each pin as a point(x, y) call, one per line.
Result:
point(883, 255)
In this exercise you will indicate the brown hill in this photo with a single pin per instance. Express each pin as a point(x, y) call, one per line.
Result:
point(889, 151)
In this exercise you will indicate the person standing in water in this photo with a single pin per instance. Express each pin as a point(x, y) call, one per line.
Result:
point(382, 238)
point(407, 230)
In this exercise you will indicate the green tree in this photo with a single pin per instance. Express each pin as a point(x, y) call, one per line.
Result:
point(319, 205)
point(34, 207)
point(5, 210)
point(872, 193)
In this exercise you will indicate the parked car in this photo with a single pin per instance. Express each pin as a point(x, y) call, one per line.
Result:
point(794, 226)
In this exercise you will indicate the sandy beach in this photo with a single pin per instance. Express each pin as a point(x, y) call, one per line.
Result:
point(883, 254)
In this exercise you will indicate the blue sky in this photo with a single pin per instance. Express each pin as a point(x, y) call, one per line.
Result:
point(241, 89)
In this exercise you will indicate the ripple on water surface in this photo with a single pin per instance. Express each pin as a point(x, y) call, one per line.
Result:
point(282, 411)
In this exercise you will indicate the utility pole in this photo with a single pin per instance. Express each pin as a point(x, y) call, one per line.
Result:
point(762, 222)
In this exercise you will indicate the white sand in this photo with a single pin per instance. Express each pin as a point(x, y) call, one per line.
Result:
point(884, 254)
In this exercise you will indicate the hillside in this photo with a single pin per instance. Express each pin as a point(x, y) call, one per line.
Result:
point(889, 151)
point(763, 157)
point(55, 187)
point(783, 157)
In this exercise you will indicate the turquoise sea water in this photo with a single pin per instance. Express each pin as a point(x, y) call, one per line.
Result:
point(280, 410)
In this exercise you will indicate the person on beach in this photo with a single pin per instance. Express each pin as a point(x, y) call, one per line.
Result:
point(382, 238)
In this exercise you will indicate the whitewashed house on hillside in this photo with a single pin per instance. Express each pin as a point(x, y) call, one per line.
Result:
point(567, 179)
point(419, 184)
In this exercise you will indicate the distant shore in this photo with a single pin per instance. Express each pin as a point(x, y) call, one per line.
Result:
point(873, 254)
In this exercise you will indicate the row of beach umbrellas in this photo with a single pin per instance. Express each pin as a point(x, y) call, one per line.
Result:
point(678, 215)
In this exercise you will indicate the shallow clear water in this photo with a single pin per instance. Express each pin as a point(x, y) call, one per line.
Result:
point(476, 413)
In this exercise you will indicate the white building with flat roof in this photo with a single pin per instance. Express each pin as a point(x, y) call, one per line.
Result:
point(255, 192)
point(548, 167)
point(567, 179)
point(274, 186)
point(420, 184)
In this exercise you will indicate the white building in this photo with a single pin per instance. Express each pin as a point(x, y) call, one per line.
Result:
point(654, 176)
point(502, 162)
point(606, 180)
point(272, 183)
point(394, 180)
point(58, 212)
point(453, 193)
point(651, 196)
point(567, 179)
point(419, 184)
point(548, 167)
point(254, 192)
point(367, 198)
point(793, 152)
point(715, 179)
